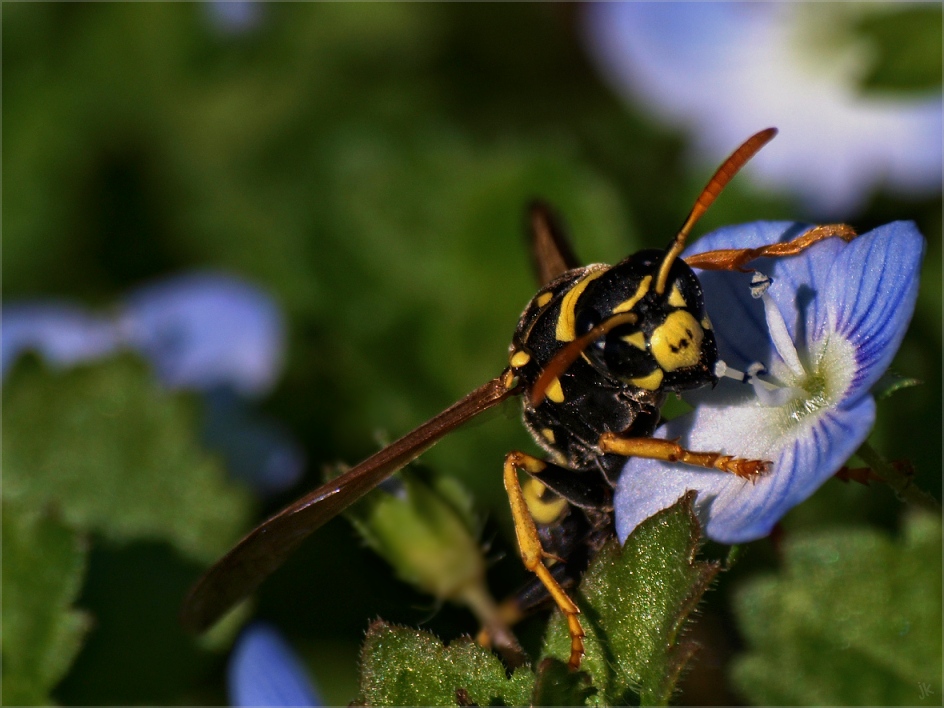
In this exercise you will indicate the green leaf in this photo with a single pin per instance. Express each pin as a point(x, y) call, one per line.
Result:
point(43, 566)
point(116, 454)
point(853, 618)
point(404, 667)
point(634, 603)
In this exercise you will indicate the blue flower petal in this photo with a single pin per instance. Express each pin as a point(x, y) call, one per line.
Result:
point(264, 671)
point(63, 333)
point(204, 330)
point(734, 510)
point(234, 16)
point(871, 293)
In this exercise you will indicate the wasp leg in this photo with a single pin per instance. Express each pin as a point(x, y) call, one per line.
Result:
point(737, 258)
point(670, 451)
point(531, 550)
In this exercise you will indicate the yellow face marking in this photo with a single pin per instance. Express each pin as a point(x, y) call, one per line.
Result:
point(543, 511)
point(565, 321)
point(676, 343)
point(637, 339)
point(548, 435)
point(641, 291)
point(519, 359)
point(676, 299)
point(554, 391)
point(650, 382)
point(543, 299)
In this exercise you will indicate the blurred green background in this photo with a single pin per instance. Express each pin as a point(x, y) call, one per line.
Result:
point(369, 165)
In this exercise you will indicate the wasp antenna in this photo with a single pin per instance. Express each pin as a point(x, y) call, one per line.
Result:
point(568, 355)
point(716, 184)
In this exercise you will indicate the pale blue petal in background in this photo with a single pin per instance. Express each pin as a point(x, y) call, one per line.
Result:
point(723, 71)
point(63, 333)
point(204, 330)
point(264, 671)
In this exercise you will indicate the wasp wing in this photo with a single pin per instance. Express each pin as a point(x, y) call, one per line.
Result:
point(267, 546)
point(550, 250)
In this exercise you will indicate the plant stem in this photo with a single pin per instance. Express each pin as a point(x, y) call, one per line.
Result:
point(902, 484)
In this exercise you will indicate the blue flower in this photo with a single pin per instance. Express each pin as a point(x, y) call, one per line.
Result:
point(825, 331)
point(64, 333)
point(722, 69)
point(264, 671)
point(234, 17)
point(206, 332)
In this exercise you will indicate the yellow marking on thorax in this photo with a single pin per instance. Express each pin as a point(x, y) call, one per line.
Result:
point(650, 382)
point(543, 512)
point(554, 391)
point(705, 323)
point(676, 343)
point(676, 299)
point(519, 359)
point(548, 435)
point(636, 339)
point(565, 320)
point(640, 293)
point(544, 298)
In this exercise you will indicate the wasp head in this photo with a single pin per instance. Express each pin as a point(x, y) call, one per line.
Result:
point(668, 345)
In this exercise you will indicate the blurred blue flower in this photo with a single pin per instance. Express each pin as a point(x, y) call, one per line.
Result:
point(723, 70)
point(201, 331)
point(825, 331)
point(234, 17)
point(63, 333)
point(264, 671)
point(257, 450)
point(204, 330)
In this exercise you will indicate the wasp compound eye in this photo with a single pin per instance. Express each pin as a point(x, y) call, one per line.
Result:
point(626, 354)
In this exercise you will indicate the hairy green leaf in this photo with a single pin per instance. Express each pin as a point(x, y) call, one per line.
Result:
point(404, 667)
point(634, 603)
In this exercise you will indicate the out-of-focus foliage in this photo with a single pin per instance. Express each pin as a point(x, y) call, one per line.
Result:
point(43, 569)
point(854, 618)
point(369, 165)
point(114, 454)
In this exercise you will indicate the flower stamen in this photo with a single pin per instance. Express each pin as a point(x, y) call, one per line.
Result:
point(781, 336)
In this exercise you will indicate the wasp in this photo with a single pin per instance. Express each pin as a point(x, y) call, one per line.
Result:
point(593, 358)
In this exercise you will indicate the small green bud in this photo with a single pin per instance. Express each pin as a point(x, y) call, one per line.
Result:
point(423, 526)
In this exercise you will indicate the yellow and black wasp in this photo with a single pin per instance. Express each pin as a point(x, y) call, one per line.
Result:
point(594, 356)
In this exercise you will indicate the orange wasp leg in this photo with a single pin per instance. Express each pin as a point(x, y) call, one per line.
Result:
point(671, 451)
point(737, 258)
point(533, 554)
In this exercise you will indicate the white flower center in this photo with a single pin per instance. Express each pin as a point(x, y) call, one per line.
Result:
point(821, 383)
